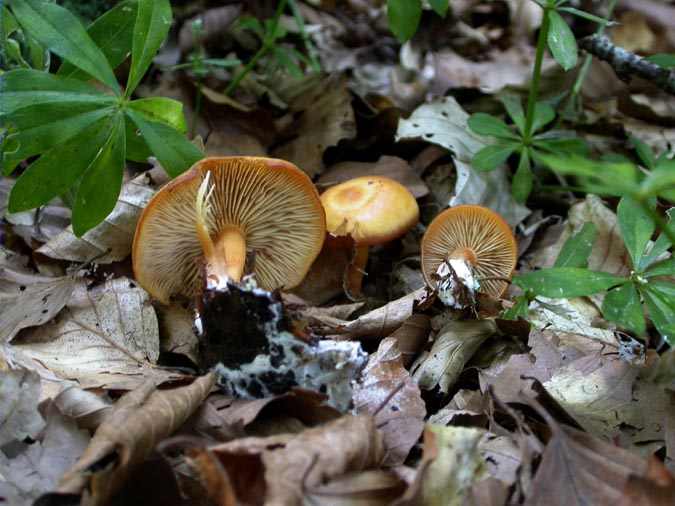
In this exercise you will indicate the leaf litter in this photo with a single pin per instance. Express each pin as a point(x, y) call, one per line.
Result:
point(100, 387)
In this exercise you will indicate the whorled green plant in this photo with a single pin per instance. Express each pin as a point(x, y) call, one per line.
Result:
point(80, 121)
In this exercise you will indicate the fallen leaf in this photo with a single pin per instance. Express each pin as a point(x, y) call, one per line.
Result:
point(129, 433)
point(454, 345)
point(577, 468)
point(106, 337)
point(379, 322)
point(412, 336)
point(87, 408)
point(111, 240)
point(502, 456)
point(325, 118)
point(36, 468)
point(19, 395)
point(633, 33)
point(176, 330)
point(387, 392)
point(656, 488)
point(41, 224)
point(389, 166)
point(28, 300)
point(366, 488)
point(606, 397)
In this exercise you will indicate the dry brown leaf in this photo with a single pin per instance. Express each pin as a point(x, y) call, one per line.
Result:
point(326, 117)
point(351, 443)
point(379, 322)
point(389, 166)
point(387, 392)
point(111, 240)
point(19, 395)
point(412, 336)
point(106, 337)
point(176, 330)
point(36, 468)
point(577, 469)
point(367, 488)
point(214, 24)
point(87, 408)
point(467, 405)
point(633, 33)
point(28, 300)
point(454, 345)
point(488, 492)
point(129, 433)
point(656, 488)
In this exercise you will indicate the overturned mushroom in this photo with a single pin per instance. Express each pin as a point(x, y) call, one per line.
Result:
point(371, 210)
point(218, 213)
point(466, 249)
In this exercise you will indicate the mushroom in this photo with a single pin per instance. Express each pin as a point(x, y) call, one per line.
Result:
point(206, 221)
point(471, 244)
point(371, 210)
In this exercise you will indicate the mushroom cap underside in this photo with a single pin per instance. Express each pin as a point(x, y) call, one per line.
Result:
point(272, 202)
point(474, 229)
point(371, 209)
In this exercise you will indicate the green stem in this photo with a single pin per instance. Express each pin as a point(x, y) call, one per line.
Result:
point(198, 108)
point(267, 44)
point(587, 61)
point(536, 76)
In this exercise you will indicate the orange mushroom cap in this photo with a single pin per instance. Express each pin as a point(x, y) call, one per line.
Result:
point(371, 209)
point(269, 203)
point(477, 235)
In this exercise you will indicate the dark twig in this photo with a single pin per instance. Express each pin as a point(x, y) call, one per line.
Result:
point(626, 64)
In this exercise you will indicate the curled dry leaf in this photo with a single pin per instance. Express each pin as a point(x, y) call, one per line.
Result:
point(19, 395)
point(412, 336)
point(36, 468)
point(86, 408)
point(367, 488)
point(292, 465)
point(106, 337)
point(387, 392)
point(379, 322)
point(176, 330)
point(455, 344)
point(389, 166)
point(27, 299)
point(326, 118)
point(129, 433)
point(111, 240)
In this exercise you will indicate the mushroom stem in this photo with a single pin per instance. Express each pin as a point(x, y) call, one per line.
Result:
point(355, 271)
point(229, 254)
point(466, 254)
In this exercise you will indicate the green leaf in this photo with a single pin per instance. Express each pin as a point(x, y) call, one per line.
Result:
point(561, 41)
point(659, 247)
point(660, 299)
point(404, 17)
point(577, 248)
point(491, 156)
point(162, 109)
point(514, 108)
point(58, 169)
point(440, 7)
point(663, 268)
point(100, 185)
point(543, 115)
point(112, 33)
point(518, 310)
point(172, 149)
point(585, 15)
point(562, 145)
point(152, 25)
point(660, 181)
point(521, 186)
point(636, 227)
point(644, 152)
point(622, 306)
point(137, 148)
point(60, 31)
point(486, 124)
point(26, 87)
point(42, 127)
point(565, 282)
point(664, 60)
point(287, 62)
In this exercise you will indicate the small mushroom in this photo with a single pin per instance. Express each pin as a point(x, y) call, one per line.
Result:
point(471, 244)
point(371, 210)
point(209, 219)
